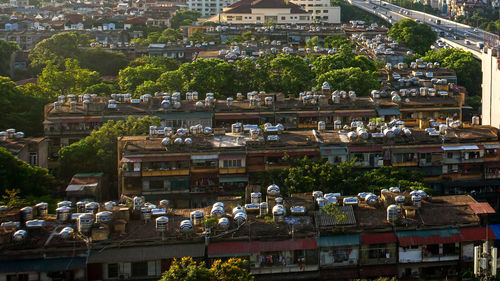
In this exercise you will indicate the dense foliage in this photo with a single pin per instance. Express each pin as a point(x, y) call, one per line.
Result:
point(187, 269)
point(184, 17)
point(20, 109)
point(98, 152)
point(487, 19)
point(350, 12)
point(306, 175)
point(17, 174)
point(165, 36)
point(281, 73)
point(416, 36)
point(467, 68)
point(58, 48)
point(7, 48)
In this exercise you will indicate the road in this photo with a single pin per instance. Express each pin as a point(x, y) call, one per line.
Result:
point(450, 30)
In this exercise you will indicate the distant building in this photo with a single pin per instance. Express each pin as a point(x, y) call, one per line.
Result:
point(31, 150)
point(320, 10)
point(208, 7)
point(264, 11)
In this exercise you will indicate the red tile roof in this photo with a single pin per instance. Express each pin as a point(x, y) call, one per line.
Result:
point(477, 233)
point(246, 6)
point(481, 208)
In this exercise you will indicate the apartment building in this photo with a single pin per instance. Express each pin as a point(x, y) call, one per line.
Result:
point(321, 11)
point(125, 241)
point(29, 149)
point(208, 7)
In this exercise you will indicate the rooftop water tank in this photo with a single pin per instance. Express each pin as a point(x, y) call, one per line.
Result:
point(392, 213)
point(263, 209)
point(223, 223)
point(27, 213)
point(161, 224)
point(186, 226)
point(104, 217)
point(42, 209)
point(85, 222)
point(19, 235)
point(255, 197)
point(63, 213)
point(273, 190)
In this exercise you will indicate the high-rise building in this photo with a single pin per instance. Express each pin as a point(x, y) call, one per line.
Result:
point(320, 10)
point(208, 7)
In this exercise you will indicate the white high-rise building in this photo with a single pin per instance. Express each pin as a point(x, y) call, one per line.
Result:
point(491, 87)
point(208, 7)
point(320, 10)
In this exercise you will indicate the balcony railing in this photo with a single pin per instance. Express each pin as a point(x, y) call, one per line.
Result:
point(405, 164)
point(161, 173)
point(492, 176)
point(240, 170)
point(283, 269)
point(204, 169)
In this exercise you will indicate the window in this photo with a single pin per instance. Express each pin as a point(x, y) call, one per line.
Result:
point(258, 18)
point(156, 184)
point(238, 18)
point(232, 163)
point(449, 155)
point(325, 11)
point(17, 277)
point(325, 17)
point(113, 270)
point(33, 158)
point(139, 269)
point(283, 18)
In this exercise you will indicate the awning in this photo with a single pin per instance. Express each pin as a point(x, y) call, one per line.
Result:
point(461, 147)
point(388, 111)
point(228, 249)
point(308, 114)
point(491, 146)
point(496, 230)
point(146, 253)
point(283, 245)
point(240, 116)
point(205, 157)
point(378, 238)
point(429, 149)
point(354, 113)
point(131, 159)
point(42, 265)
point(233, 179)
point(403, 150)
point(477, 234)
point(338, 240)
point(371, 148)
point(269, 154)
point(428, 237)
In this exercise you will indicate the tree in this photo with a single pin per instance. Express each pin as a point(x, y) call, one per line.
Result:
point(335, 41)
point(16, 174)
point(350, 79)
point(20, 109)
point(233, 269)
point(290, 74)
point(172, 81)
point(58, 48)
point(72, 79)
point(188, 269)
point(7, 48)
point(212, 75)
point(200, 37)
point(165, 36)
point(416, 36)
point(311, 43)
point(131, 77)
point(165, 63)
point(101, 89)
point(184, 17)
point(466, 67)
point(98, 152)
point(102, 61)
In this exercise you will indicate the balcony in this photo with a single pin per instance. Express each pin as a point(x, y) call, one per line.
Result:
point(277, 166)
point(491, 158)
point(162, 173)
point(307, 126)
point(131, 174)
point(204, 169)
point(405, 164)
point(375, 261)
point(256, 168)
point(468, 176)
point(490, 176)
point(283, 269)
point(224, 171)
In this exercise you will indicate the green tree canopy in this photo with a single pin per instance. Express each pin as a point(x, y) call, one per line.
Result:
point(350, 79)
point(466, 67)
point(20, 109)
point(7, 48)
point(184, 17)
point(416, 36)
point(131, 77)
point(187, 269)
point(291, 74)
point(103, 61)
point(98, 152)
point(16, 174)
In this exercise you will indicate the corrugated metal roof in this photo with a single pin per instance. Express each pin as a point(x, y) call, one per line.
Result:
point(42, 265)
point(325, 220)
point(477, 233)
point(133, 254)
point(428, 237)
point(338, 240)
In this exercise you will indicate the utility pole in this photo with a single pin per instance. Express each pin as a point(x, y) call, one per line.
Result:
point(485, 261)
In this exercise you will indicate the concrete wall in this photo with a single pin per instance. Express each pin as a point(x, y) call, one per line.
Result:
point(491, 89)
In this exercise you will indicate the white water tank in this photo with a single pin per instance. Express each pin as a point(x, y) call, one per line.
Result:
point(392, 213)
point(19, 235)
point(416, 200)
point(80, 206)
point(197, 217)
point(223, 223)
point(321, 126)
point(104, 217)
point(161, 224)
point(138, 202)
point(42, 209)
point(263, 209)
point(255, 197)
point(186, 226)
point(63, 213)
point(92, 207)
point(85, 222)
point(273, 190)
point(146, 213)
point(64, 204)
point(317, 194)
point(27, 213)
point(278, 213)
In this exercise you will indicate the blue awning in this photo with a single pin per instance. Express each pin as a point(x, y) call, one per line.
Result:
point(233, 179)
point(338, 240)
point(496, 230)
point(42, 265)
point(388, 111)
